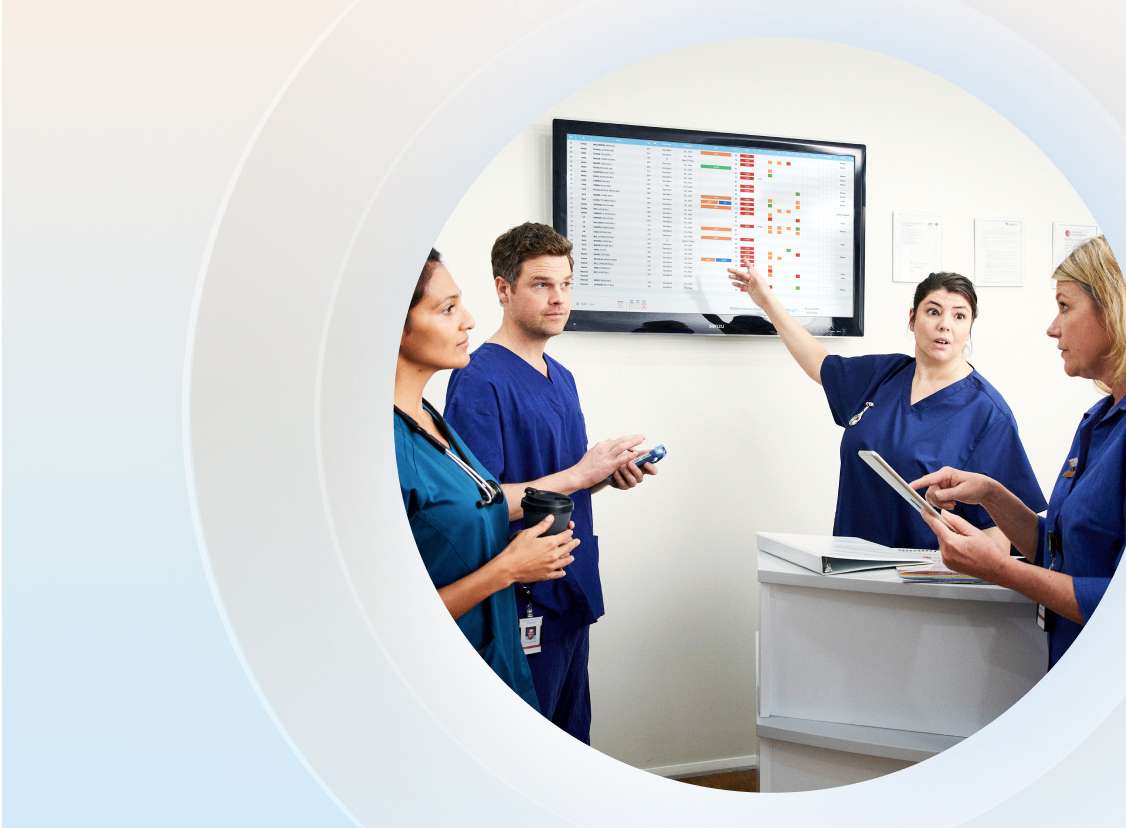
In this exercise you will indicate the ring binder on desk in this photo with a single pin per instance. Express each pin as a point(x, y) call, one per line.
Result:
point(834, 556)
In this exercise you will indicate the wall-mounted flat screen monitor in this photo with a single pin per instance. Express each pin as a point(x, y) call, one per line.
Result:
point(657, 215)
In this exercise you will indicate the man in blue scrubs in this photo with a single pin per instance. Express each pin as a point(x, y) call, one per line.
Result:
point(518, 409)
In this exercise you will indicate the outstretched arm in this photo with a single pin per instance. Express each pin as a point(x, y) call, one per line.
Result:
point(803, 347)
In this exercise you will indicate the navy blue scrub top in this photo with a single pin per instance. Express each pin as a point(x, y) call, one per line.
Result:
point(524, 426)
point(966, 425)
point(456, 538)
point(1088, 511)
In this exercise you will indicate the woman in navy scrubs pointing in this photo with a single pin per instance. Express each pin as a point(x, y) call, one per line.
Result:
point(457, 512)
point(919, 412)
point(1078, 546)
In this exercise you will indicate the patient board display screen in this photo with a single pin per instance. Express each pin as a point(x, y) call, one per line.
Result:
point(656, 216)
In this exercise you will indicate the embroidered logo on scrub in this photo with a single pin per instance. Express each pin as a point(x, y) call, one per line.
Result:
point(1072, 462)
point(860, 414)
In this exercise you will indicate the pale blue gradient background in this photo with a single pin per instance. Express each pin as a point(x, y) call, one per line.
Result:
point(126, 702)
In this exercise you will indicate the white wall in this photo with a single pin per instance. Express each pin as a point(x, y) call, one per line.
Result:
point(751, 444)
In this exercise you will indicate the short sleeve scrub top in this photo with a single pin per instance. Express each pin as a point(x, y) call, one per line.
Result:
point(1085, 529)
point(966, 425)
point(456, 537)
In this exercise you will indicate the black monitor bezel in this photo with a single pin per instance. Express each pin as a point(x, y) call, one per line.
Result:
point(708, 324)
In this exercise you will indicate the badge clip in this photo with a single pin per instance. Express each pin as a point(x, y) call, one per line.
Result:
point(860, 414)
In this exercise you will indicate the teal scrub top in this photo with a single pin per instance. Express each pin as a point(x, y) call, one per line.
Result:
point(456, 538)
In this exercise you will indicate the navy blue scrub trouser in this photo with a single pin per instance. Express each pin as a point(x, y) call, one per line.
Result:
point(559, 672)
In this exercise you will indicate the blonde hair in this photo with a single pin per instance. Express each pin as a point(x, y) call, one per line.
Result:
point(1093, 266)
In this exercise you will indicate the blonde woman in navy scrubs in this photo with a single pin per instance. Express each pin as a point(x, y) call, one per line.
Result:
point(919, 412)
point(1078, 546)
point(457, 512)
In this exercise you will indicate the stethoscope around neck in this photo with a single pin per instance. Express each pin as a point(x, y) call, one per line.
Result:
point(490, 490)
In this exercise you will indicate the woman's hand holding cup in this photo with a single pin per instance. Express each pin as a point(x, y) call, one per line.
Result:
point(534, 556)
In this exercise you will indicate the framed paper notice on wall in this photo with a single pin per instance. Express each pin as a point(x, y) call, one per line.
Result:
point(1067, 237)
point(998, 252)
point(916, 240)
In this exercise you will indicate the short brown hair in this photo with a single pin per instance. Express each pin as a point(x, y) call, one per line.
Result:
point(523, 242)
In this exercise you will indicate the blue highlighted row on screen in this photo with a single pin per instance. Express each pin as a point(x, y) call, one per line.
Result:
point(607, 139)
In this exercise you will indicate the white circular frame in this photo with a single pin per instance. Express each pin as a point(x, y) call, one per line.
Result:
point(352, 173)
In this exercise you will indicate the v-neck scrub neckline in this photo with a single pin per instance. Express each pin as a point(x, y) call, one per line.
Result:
point(524, 426)
point(486, 347)
point(952, 388)
point(966, 425)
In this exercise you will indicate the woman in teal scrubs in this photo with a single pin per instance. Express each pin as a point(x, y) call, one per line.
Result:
point(457, 512)
point(919, 412)
point(1077, 547)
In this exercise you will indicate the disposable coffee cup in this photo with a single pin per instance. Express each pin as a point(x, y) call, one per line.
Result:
point(538, 504)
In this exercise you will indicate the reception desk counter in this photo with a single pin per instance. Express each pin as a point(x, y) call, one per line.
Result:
point(861, 674)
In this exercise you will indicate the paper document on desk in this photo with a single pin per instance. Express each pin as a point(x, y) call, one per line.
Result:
point(934, 573)
point(833, 556)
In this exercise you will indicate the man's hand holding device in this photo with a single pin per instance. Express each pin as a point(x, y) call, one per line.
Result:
point(603, 459)
point(630, 474)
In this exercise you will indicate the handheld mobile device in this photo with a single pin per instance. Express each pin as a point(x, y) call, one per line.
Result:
point(890, 476)
point(654, 455)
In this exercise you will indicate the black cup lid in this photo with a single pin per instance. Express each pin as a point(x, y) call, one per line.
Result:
point(545, 500)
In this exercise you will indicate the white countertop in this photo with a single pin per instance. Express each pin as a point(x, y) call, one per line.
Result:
point(772, 570)
point(904, 745)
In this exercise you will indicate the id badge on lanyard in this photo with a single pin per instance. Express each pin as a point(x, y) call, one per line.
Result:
point(531, 626)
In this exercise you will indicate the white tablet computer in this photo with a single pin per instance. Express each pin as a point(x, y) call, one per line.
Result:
point(881, 467)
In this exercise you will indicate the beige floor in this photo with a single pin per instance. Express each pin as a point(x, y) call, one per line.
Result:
point(733, 781)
